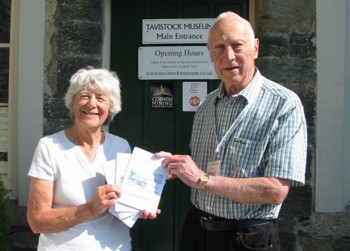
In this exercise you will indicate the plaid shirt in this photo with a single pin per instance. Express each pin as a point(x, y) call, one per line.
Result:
point(269, 140)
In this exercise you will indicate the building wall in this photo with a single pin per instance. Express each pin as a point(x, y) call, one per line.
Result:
point(287, 32)
point(303, 47)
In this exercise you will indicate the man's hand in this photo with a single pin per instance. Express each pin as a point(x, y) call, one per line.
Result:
point(183, 167)
point(165, 155)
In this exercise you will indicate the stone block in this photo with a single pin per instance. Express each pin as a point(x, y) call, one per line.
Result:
point(80, 37)
point(288, 70)
point(303, 45)
point(80, 10)
point(54, 108)
point(273, 44)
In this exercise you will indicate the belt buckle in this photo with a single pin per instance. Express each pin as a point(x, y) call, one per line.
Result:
point(204, 220)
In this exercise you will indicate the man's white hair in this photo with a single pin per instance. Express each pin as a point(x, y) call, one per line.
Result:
point(230, 13)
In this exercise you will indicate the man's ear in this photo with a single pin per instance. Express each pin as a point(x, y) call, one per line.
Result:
point(256, 48)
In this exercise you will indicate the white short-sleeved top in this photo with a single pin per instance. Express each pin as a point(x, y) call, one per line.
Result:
point(75, 181)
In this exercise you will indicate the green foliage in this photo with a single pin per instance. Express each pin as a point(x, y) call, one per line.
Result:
point(5, 218)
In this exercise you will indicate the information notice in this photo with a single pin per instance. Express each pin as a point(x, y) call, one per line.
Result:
point(176, 31)
point(175, 62)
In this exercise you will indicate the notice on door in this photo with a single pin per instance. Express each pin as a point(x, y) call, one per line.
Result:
point(162, 95)
point(176, 31)
point(175, 62)
point(194, 94)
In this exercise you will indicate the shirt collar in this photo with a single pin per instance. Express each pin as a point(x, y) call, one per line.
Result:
point(249, 92)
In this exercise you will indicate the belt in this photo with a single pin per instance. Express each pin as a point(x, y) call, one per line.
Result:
point(213, 223)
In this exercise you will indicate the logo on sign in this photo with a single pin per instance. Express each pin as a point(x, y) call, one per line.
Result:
point(162, 96)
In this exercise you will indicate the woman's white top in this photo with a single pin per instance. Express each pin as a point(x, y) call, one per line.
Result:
point(75, 181)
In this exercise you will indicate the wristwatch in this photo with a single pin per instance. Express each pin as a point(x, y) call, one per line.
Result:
point(203, 180)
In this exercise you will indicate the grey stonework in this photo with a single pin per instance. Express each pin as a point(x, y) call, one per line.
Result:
point(74, 33)
point(287, 33)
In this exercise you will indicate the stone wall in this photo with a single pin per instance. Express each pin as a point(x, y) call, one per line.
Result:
point(74, 40)
point(287, 33)
point(287, 55)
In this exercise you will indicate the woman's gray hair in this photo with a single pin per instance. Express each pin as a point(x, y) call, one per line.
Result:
point(102, 79)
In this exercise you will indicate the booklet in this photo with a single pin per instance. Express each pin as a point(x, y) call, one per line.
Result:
point(142, 178)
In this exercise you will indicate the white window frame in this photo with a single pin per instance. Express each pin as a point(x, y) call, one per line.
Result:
point(4, 164)
point(4, 170)
point(26, 81)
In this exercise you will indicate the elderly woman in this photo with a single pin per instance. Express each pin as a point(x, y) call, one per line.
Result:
point(69, 197)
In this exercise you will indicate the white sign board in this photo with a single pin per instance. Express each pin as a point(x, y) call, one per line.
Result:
point(194, 94)
point(175, 62)
point(176, 31)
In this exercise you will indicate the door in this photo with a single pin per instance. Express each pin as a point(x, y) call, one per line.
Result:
point(157, 129)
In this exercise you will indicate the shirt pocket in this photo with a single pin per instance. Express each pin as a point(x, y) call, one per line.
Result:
point(244, 158)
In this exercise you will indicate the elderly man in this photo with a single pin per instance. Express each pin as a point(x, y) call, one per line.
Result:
point(248, 148)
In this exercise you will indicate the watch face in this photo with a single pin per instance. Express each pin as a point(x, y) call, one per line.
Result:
point(203, 181)
point(205, 177)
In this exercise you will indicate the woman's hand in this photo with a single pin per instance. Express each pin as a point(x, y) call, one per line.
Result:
point(105, 197)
